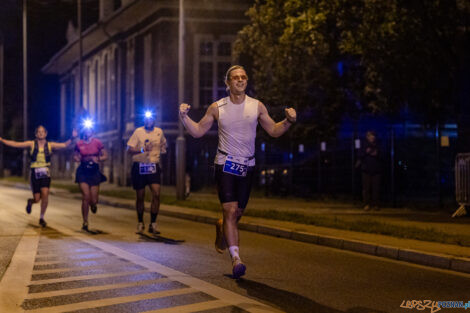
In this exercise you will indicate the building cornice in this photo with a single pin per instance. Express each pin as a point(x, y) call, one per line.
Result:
point(135, 14)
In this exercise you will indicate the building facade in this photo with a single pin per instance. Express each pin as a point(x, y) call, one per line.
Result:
point(130, 62)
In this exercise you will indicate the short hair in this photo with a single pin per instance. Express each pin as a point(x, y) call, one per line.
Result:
point(232, 68)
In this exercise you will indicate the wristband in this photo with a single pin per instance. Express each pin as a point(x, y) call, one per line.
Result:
point(141, 150)
point(292, 122)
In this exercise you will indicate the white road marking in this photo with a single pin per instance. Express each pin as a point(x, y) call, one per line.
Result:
point(61, 261)
point(52, 255)
point(116, 264)
point(14, 284)
point(95, 288)
point(95, 276)
point(196, 307)
point(230, 297)
point(112, 301)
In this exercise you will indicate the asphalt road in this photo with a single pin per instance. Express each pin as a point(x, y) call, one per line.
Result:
point(63, 269)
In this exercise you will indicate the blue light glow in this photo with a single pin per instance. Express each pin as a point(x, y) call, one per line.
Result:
point(88, 123)
point(148, 114)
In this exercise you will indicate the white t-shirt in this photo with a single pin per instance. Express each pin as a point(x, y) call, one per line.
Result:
point(154, 137)
point(237, 128)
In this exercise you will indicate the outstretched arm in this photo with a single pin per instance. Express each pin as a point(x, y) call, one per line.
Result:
point(16, 144)
point(76, 156)
point(198, 130)
point(272, 128)
point(65, 144)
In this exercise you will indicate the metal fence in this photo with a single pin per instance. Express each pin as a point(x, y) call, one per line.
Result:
point(462, 178)
point(417, 161)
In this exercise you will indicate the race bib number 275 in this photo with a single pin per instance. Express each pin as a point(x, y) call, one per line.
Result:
point(236, 165)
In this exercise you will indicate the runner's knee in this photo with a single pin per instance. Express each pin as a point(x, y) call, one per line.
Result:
point(230, 211)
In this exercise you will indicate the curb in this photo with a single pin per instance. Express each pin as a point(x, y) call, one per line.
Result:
point(394, 253)
point(458, 264)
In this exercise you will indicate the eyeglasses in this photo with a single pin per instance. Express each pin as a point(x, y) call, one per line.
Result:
point(239, 77)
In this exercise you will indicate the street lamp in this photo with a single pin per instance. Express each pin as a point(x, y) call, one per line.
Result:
point(180, 141)
point(25, 86)
point(80, 52)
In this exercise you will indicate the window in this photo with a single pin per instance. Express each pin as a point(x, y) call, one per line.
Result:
point(130, 79)
point(213, 58)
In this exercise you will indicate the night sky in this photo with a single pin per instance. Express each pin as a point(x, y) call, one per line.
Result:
point(47, 25)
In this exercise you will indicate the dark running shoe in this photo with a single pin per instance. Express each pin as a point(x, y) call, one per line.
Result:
point(42, 222)
point(93, 208)
point(85, 226)
point(238, 269)
point(29, 205)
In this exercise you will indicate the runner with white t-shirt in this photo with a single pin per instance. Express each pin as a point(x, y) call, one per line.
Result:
point(237, 117)
point(146, 145)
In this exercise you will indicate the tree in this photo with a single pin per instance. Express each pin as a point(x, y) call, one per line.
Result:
point(331, 58)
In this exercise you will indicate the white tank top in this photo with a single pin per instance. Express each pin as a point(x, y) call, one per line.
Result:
point(237, 129)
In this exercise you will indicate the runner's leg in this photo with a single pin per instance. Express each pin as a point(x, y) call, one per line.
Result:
point(139, 204)
point(230, 223)
point(155, 207)
point(35, 199)
point(44, 200)
point(94, 194)
point(85, 189)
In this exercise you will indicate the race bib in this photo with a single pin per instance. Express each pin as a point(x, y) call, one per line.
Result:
point(41, 172)
point(236, 165)
point(147, 168)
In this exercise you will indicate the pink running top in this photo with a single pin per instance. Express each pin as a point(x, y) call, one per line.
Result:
point(93, 147)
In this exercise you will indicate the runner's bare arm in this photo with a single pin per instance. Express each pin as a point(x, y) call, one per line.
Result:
point(133, 146)
point(16, 144)
point(198, 130)
point(272, 128)
point(65, 144)
point(135, 150)
point(76, 156)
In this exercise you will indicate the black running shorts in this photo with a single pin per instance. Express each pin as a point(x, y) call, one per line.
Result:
point(233, 188)
point(89, 172)
point(139, 181)
point(37, 184)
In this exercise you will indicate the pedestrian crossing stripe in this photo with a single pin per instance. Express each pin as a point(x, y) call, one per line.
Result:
point(189, 295)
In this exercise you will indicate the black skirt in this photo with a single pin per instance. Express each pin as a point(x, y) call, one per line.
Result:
point(89, 172)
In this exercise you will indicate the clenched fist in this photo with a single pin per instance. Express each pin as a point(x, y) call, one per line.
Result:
point(184, 109)
point(291, 115)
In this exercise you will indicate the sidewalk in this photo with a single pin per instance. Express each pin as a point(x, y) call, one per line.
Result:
point(441, 255)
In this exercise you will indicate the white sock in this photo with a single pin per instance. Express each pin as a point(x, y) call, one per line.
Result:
point(233, 251)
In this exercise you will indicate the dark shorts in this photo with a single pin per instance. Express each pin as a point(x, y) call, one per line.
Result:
point(37, 184)
point(89, 172)
point(139, 181)
point(233, 188)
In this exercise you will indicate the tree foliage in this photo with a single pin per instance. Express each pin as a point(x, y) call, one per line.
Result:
point(328, 58)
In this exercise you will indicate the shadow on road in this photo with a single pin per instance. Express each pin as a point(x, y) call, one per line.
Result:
point(285, 300)
point(158, 238)
point(291, 302)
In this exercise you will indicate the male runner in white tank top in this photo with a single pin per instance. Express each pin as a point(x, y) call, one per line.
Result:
point(237, 117)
